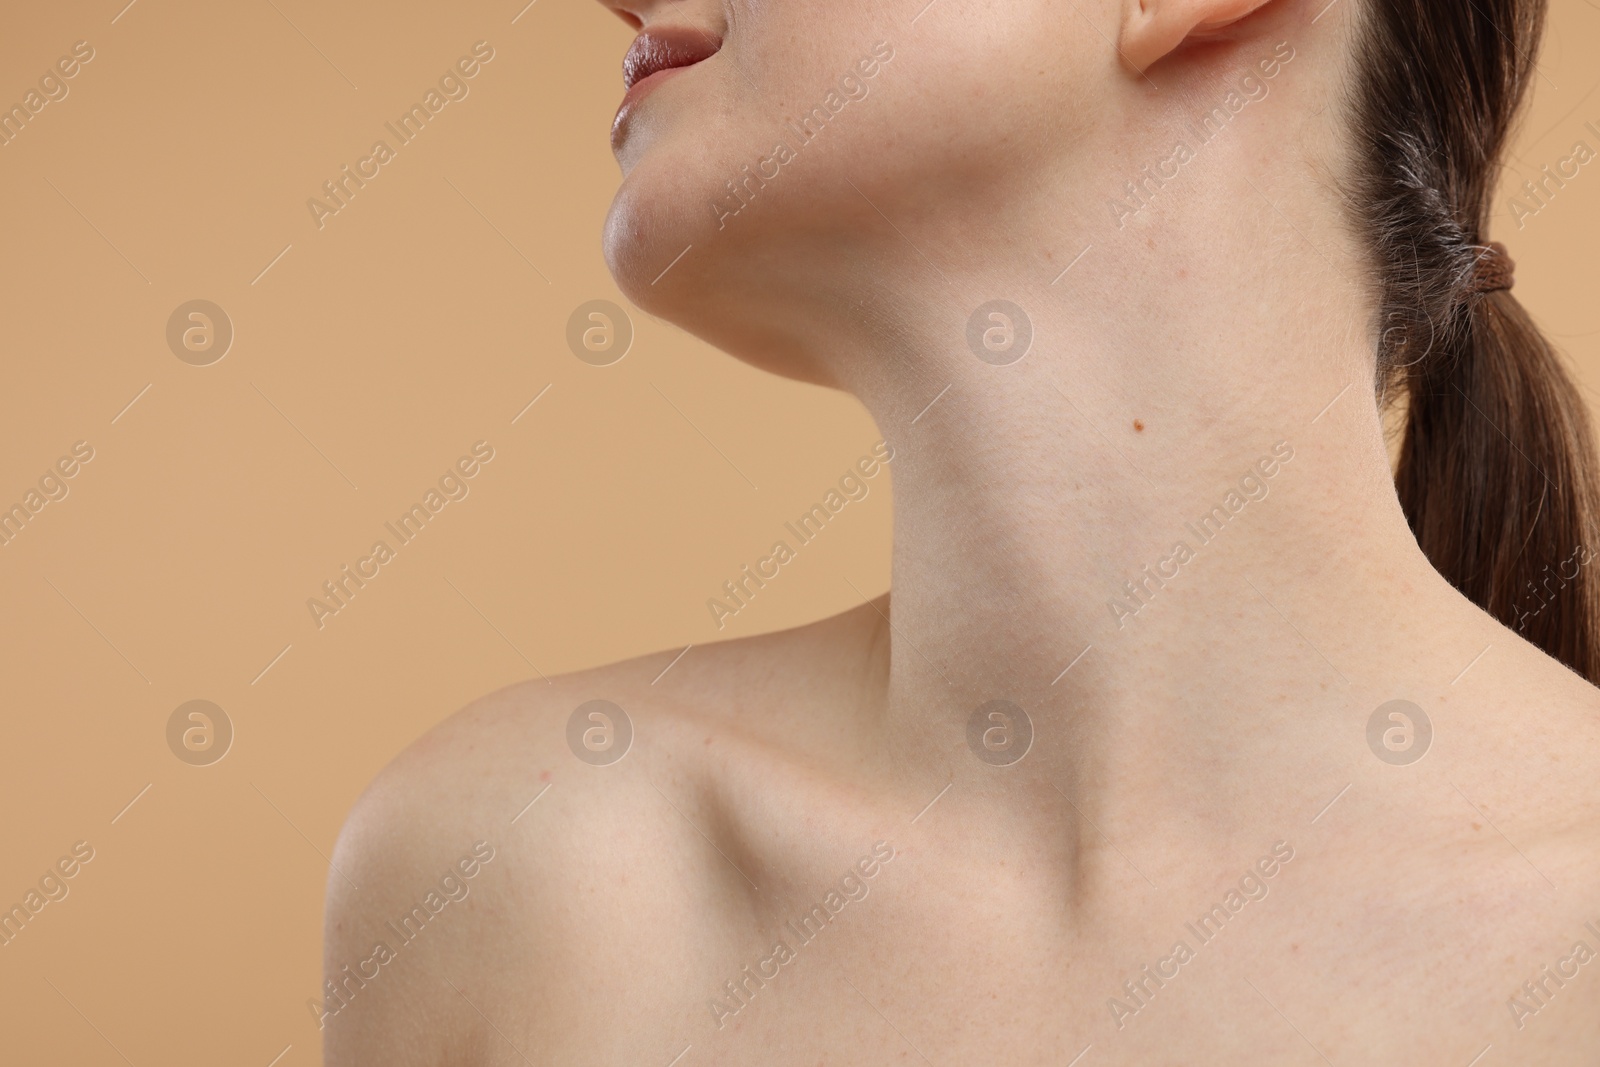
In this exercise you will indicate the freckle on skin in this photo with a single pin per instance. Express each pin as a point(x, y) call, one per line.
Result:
point(544, 776)
point(1139, 426)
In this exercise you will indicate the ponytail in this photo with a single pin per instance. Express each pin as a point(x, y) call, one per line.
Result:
point(1496, 475)
point(1497, 481)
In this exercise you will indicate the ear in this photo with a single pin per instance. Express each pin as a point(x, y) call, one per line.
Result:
point(1153, 28)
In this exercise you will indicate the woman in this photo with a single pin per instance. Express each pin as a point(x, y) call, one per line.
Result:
point(1187, 738)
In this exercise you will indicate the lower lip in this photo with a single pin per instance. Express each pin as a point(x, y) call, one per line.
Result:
point(636, 94)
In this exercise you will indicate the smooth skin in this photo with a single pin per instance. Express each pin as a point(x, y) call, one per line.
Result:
point(1227, 717)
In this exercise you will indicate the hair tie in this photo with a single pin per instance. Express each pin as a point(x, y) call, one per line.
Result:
point(1494, 270)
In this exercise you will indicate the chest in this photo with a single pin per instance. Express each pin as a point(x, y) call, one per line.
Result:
point(922, 963)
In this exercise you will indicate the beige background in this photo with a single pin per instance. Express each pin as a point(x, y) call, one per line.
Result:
point(368, 356)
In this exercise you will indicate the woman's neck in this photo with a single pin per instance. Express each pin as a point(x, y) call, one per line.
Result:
point(1169, 532)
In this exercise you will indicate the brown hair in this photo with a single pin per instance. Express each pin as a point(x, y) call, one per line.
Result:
point(1496, 474)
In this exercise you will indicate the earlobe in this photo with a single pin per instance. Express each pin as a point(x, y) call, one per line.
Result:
point(1152, 29)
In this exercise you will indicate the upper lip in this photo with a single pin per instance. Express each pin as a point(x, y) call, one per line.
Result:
point(660, 49)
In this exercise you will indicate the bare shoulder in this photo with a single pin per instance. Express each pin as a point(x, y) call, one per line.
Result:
point(1536, 786)
point(1525, 733)
point(486, 841)
point(1519, 756)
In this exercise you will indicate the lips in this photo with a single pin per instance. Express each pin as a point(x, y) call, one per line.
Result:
point(666, 48)
point(656, 56)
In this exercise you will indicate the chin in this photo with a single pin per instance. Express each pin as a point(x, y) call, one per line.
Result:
point(717, 291)
point(749, 271)
point(649, 225)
